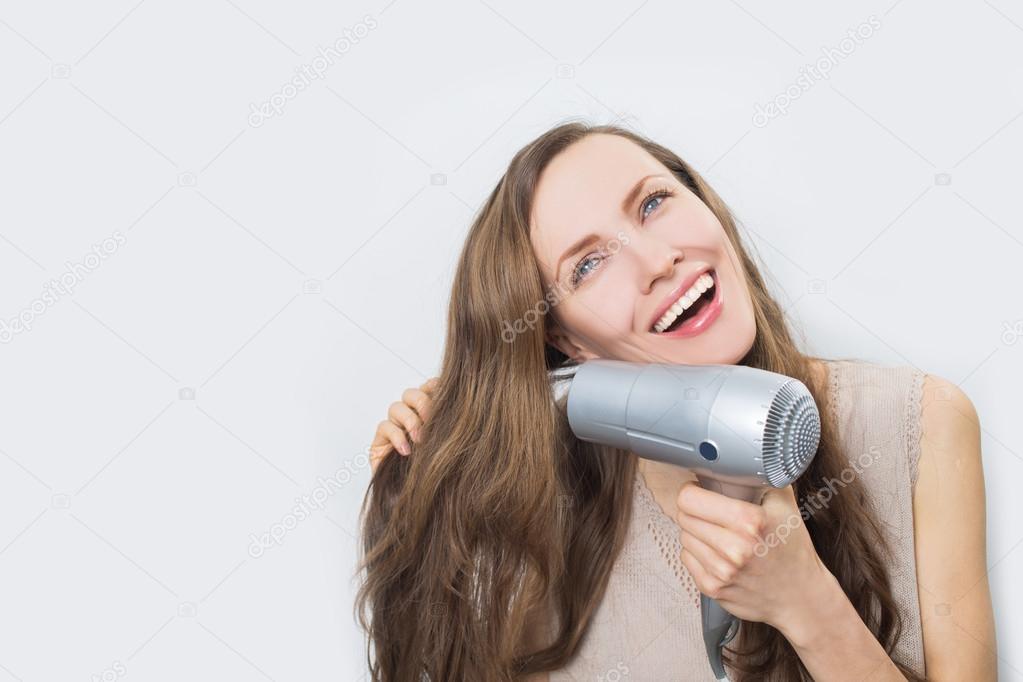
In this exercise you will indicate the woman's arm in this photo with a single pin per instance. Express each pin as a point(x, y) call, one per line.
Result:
point(949, 528)
point(951, 554)
point(832, 640)
point(791, 589)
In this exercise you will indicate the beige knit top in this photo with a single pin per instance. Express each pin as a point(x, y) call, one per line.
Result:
point(647, 626)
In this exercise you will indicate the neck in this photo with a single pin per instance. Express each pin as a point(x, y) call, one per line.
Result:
point(661, 471)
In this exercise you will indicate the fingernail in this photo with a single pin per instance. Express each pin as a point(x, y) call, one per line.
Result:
point(415, 434)
point(403, 449)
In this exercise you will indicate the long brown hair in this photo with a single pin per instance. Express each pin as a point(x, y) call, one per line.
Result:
point(502, 519)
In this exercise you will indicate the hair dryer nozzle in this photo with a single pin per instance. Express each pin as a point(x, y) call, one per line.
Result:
point(791, 434)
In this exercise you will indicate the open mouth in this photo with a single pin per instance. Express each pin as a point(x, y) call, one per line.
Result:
point(691, 308)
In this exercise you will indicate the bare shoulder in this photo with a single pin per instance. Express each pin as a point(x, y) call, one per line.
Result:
point(950, 465)
point(946, 412)
point(949, 515)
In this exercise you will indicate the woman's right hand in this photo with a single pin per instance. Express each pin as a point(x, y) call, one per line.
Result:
point(404, 419)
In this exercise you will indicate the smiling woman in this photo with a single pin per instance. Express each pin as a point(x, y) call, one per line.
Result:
point(504, 547)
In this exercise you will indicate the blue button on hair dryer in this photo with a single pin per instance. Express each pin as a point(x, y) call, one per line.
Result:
point(739, 429)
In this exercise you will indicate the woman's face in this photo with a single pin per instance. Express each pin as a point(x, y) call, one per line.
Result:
point(615, 255)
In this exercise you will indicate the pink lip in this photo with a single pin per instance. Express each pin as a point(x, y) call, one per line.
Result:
point(706, 317)
point(676, 293)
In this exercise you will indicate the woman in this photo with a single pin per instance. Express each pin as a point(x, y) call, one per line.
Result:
point(505, 548)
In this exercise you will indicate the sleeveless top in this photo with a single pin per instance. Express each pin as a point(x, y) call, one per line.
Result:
point(647, 625)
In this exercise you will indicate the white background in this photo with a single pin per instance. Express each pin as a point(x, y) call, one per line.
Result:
point(280, 284)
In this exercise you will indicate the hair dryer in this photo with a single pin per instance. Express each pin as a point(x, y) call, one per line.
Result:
point(739, 429)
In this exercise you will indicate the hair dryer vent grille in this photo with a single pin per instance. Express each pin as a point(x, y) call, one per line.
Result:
point(791, 435)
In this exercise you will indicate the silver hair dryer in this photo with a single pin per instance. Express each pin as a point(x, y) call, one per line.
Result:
point(739, 429)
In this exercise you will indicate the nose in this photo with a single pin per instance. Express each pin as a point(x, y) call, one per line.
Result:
point(656, 260)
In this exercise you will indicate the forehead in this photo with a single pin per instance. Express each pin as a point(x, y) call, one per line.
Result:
point(581, 191)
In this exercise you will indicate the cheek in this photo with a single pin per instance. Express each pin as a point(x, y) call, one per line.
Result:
point(707, 236)
point(601, 313)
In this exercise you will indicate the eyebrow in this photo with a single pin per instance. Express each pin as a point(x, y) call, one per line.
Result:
point(630, 199)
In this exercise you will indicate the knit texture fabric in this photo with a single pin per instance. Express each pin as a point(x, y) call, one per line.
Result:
point(647, 625)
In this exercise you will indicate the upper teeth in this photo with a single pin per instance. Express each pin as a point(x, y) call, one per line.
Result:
point(702, 284)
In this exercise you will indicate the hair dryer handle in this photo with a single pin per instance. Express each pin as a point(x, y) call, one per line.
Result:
point(719, 627)
point(737, 492)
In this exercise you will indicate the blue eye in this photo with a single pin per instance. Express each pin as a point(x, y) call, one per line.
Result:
point(579, 273)
point(659, 194)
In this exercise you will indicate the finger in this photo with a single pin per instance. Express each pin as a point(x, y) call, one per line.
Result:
point(727, 543)
point(706, 583)
point(375, 458)
point(391, 436)
point(380, 441)
point(710, 559)
point(720, 509)
point(403, 417)
point(430, 386)
point(419, 400)
point(381, 446)
point(398, 437)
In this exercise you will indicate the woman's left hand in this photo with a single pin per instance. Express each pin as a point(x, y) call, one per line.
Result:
point(757, 561)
